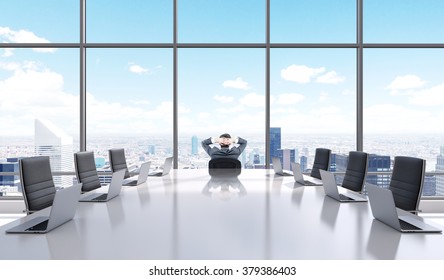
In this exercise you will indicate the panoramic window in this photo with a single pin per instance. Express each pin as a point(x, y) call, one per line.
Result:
point(129, 104)
point(221, 91)
point(135, 21)
point(313, 103)
point(221, 21)
point(402, 105)
point(55, 21)
point(308, 21)
point(403, 21)
point(39, 97)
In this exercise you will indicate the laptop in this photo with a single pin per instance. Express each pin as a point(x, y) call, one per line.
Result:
point(165, 170)
point(138, 179)
point(384, 209)
point(63, 210)
point(113, 190)
point(277, 167)
point(303, 179)
point(331, 189)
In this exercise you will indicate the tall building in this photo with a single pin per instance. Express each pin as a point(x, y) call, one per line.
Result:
point(8, 182)
point(275, 141)
point(303, 163)
point(377, 163)
point(53, 142)
point(194, 145)
point(287, 156)
point(439, 168)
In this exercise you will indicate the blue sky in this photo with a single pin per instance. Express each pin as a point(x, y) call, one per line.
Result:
point(313, 90)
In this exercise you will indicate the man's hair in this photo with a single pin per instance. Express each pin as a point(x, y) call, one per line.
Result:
point(225, 135)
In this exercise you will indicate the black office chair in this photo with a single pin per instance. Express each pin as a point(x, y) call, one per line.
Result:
point(117, 161)
point(37, 183)
point(222, 166)
point(407, 181)
point(354, 178)
point(321, 161)
point(86, 171)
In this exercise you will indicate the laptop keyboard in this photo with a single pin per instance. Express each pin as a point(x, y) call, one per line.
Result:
point(39, 227)
point(407, 226)
point(101, 197)
point(344, 197)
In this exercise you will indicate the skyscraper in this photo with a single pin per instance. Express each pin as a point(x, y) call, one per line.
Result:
point(439, 168)
point(194, 145)
point(53, 142)
point(275, 141)
point(379, 163)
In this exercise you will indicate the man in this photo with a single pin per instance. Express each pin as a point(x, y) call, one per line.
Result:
point(224, 147)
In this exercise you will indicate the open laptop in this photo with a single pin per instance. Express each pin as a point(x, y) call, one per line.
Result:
point(277, 167)
point(165, 170)
point(113, 190)
point(331, 189)
point(63, 210)
point(303, 179)
point(384, 209)
point(138, 179)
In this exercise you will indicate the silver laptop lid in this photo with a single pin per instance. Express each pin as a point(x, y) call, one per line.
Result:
point(143, 172)
point(383, 209)
point(329, 183)
point(63, 209)
point(64, 206)
point(277, 167)
point(116, 183)
point(297, 173)
point(167, 165)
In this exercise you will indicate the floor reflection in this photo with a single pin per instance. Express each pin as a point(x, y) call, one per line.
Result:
point(383, 241)
point(224, 184)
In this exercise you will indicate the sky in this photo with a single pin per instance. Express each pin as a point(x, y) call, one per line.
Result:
point(222, 90)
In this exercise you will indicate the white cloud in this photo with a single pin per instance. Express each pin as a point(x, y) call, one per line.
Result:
point(238, 83)
point(389, 118)
point(140, 102)
point(223, 98)
point(300, 73)
point(289, 98)
point(428, 97)
point(323, 97)
point(134, 68)
point(406, 82)
point(253, 100)
point(8, 35)
point(330, 77)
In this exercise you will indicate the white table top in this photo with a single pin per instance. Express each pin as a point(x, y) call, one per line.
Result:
point(188, 215)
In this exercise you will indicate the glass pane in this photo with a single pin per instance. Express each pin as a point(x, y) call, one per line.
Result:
point(313, 97)
point(129, 104)
point(313, 21)
point(39, 100)
point(135, 21)
point(403, 21)
point(221, 21)
point(221, 91)
point(55, 21)
point(403, 99)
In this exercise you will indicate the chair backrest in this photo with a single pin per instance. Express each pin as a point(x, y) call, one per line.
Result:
point(223, 165)
point(117, 161)
point(407, 182)
point(37, 183)
point(86, 171)
point(356, 171)
point(321, 161)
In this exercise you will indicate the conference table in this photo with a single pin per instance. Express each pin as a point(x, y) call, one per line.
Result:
point(190, 215)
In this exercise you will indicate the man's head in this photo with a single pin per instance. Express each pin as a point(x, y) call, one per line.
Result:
point(225, 140)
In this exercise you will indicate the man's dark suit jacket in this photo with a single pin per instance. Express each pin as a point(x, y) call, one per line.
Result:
point(216, 152)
